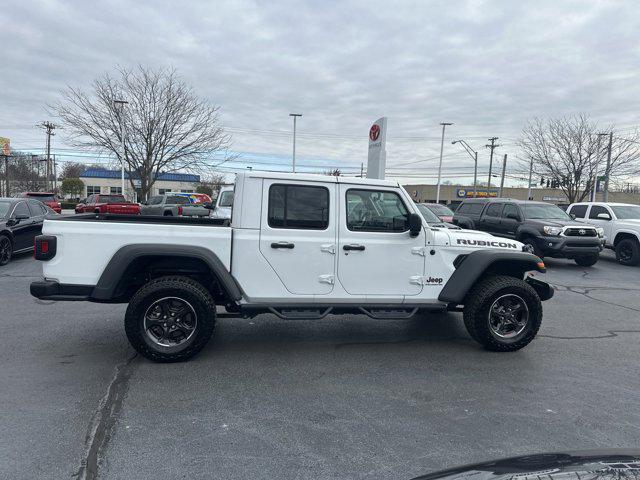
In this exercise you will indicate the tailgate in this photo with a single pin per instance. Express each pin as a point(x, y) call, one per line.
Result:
point(124, 209)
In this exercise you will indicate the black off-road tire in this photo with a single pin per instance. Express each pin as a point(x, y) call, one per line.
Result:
point(587, 261)
point(479, 301)
point(535, 249)
point(185, 289)
point(628, 245)
point(6, 250)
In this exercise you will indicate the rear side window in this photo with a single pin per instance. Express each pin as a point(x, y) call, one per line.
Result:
point(472, 208)
point(376, 211)
point(178, 200)
point(298, 206)
point(578, 210)
point(597, 210)
point(37, 209)
point(155, 201)
point(494, 210)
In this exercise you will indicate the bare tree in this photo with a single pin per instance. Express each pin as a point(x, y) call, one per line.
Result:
point(334, 172)
point(72, 170)
point(167, 127)
point(24, 173)
point(211, 184)
point(566, 150)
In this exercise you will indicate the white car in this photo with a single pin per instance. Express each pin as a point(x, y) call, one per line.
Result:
point(621, 225)
point(298, 246)
point(224, 203)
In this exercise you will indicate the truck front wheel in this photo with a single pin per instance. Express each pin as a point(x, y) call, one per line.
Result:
point(170, 319)
point(502, 313)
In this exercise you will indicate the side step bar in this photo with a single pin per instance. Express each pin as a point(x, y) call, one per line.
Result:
point(316, 312)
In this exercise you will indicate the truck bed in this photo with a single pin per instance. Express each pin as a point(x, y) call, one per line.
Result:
point(90, 241)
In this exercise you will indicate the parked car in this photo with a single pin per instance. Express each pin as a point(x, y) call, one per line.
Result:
point(20, 221)
point(279, 257)
point(171, 205)
point(432, 219)
point(108, 204)
point(443, 212)
point(620, 223)
point(224, 203)
point(48, 198)
point(545, 229)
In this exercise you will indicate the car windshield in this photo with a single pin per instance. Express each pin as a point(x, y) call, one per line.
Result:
point(4, 209)
point(542, 211)
point(43, 197)
point(112, 199)
point(226, 198)
point(441, 210)
point(428, 215)
point(626, 212)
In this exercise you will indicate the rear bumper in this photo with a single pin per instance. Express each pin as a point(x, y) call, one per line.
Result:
point(52, 290)
point(569, 247)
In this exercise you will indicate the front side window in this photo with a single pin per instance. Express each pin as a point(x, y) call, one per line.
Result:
point(155, 200)
point(178, 200)
point(298, 206)
point(597, 210)
point(376, 211)
point(579, 210)
point(510, 209)
point(226, 198)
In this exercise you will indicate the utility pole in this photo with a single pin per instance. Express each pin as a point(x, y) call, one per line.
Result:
point(48, 128)
point(444, 125)
point(504, 169)
point(530, 174)
point(6, 176)
point(606, 178)
point(295, 117)
point(595, 169)
point(55, 175)
point(361, 170)
point(492, 146)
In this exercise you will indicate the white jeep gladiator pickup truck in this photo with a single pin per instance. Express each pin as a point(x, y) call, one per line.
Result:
point(620, 223)
point(299, 247)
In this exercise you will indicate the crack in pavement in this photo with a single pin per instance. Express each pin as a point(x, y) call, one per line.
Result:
point(104, 420)
point(585, 291)
point(610, 334)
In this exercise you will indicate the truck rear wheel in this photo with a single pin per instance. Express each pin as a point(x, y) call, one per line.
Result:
point(502, 313)
point(628, 252)
point(170, 319)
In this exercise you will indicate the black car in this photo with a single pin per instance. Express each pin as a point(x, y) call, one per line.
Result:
point(20, 221)
point(545, 229)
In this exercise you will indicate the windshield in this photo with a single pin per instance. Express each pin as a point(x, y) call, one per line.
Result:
point(441, 210)
point(226, 199)
point(625, 212)
point(43, 197)
point(544, 211)
point(4, 209)
point(428, 215)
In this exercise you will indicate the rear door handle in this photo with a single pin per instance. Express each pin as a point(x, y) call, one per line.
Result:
point(353, 247)
point(282, 245)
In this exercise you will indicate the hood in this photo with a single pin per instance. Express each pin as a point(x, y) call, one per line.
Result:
point(554, 222)
point(601, 465)
point(476, 239)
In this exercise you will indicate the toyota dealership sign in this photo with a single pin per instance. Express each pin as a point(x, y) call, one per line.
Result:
point(377, 159)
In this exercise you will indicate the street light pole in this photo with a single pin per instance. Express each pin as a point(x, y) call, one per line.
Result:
point(595, 170)
point(474, 155)
point(119, 105)
point(530, 174)
point(295, 117)
point(444, 125)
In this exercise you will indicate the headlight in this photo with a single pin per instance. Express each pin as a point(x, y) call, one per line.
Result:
point(600, 231)
point(552, 230)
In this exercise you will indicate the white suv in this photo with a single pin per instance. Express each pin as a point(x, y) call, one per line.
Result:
point(621, 225)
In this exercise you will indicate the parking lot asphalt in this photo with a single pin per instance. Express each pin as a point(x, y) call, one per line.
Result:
point(343, 397)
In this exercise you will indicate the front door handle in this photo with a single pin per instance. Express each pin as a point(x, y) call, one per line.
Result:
point(282, 245)
point(353, 247)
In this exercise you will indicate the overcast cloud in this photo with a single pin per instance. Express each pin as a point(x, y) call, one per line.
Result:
point(486, 66)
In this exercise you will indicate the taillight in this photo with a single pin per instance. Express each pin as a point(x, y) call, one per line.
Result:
point(44, 247)
point(179, 210)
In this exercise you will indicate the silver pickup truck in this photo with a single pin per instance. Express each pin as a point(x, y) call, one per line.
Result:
point(173, 206)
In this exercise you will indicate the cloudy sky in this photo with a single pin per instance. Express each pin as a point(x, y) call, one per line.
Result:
point(487, 66)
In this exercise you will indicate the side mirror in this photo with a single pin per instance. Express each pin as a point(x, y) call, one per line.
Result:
point(208, 205)
point(513, 216)
point(573, 216)
point(415, 224)
point(604, 216)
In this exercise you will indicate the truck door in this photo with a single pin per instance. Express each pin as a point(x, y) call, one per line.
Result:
point(596, 210)
point(490, 220)
point(511, 219)
point(298, 234)
point(376, 254)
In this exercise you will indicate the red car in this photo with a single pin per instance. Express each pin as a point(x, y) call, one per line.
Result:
point(443, 212)
point(108, 204)
point(48, 198)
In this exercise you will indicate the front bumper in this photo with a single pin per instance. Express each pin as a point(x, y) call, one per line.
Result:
point(569, 247)
point(52, 290)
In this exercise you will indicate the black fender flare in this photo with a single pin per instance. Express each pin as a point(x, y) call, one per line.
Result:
point(115, 269)
point(477, 263)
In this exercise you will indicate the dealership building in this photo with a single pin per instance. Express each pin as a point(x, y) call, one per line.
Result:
point(105, 182)
point(454, 194)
